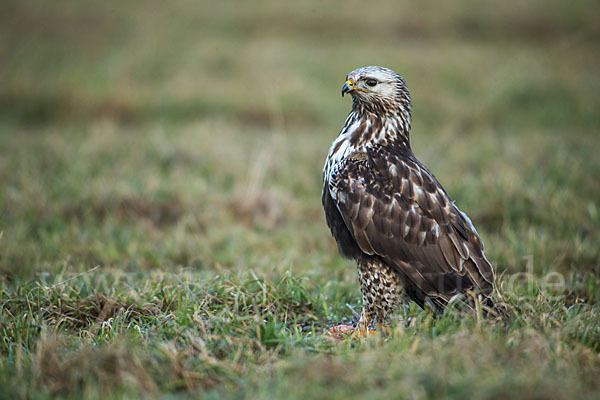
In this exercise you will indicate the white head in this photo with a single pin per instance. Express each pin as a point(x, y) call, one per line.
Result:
point(377, 89)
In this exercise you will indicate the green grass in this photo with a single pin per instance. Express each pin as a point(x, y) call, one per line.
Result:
point(161, 232)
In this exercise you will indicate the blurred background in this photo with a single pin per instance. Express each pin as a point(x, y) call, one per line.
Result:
point(160, 135)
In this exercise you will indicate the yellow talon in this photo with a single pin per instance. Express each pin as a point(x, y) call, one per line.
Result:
point(362, 333)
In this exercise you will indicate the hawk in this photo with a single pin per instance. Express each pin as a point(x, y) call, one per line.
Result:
point(388, 212)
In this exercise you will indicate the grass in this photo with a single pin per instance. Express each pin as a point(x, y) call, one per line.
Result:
point(161, 233)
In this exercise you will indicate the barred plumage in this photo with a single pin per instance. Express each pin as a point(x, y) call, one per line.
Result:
point(389, 213)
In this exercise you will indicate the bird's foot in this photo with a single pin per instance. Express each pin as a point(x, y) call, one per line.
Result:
point(348, 332)
point(363, 333)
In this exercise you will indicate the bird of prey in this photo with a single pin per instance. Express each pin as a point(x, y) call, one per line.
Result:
point(388, 212)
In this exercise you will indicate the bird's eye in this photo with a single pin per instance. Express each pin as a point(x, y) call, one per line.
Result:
point(371, 82)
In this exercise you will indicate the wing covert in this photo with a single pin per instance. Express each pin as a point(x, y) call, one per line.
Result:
point(396, 209)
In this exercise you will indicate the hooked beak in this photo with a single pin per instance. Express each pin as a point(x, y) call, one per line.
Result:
point(348, 87)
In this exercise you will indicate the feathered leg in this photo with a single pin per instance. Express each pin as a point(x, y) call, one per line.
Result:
point(382, 292)
point(368, 309)
point(366, 316)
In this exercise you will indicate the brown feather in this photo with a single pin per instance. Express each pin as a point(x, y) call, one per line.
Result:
point(411, 232)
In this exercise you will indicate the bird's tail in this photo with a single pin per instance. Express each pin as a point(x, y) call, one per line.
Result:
point(474, 302)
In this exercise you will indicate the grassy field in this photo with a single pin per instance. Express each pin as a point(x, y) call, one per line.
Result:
point(161, 231)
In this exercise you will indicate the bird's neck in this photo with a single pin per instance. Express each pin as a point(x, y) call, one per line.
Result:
point(371, 124)
point(364, 129)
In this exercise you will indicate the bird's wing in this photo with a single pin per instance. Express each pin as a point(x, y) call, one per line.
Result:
point(396, 209)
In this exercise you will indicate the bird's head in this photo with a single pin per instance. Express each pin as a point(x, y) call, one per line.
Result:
point(378, 89)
